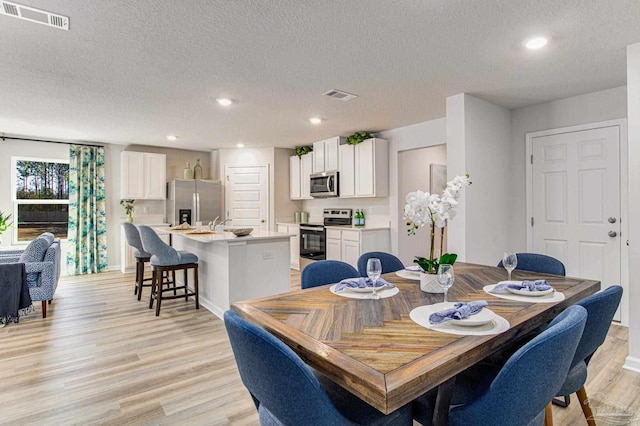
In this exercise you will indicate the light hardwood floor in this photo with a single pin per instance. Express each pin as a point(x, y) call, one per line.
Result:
point(102, 357)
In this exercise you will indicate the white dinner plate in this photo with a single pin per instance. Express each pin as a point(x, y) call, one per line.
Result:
point(530, 293)
point(365, 289)
point(483, 317)
point(403, 273)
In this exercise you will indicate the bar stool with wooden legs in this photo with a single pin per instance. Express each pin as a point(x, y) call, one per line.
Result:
point(142, 257)
point(165, 258)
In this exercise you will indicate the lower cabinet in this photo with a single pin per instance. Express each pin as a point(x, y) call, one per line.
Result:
point(347, 245)
point(294, 244)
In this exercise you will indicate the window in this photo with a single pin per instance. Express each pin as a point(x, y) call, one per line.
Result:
point(41, 197)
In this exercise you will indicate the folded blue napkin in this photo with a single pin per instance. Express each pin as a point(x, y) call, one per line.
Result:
point(362, 282)
point(537, 285)
point(459, 311)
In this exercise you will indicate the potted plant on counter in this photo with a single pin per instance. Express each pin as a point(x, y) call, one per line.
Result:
point(128, 209)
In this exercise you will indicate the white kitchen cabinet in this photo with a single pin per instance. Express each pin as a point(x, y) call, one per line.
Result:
point(294, 243)
point(364, 169)
point(306, 168)
point(326, 154)
point(347, 177)
point(143, 175)
point(348, 245)
point(294, 178)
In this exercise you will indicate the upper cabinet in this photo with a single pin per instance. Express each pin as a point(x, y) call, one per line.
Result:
point(143, 175)
point(300, 169)
point(364, 169)
point(325, 154)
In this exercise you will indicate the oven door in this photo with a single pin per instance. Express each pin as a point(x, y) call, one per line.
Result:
point(312, 243)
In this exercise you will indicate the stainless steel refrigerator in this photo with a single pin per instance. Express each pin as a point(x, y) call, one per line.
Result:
point(193, 200)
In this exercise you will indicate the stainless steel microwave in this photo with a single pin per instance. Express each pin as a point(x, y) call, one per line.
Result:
point(324, 185)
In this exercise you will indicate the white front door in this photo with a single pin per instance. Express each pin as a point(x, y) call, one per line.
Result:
point(575, 201)
point(247, 196)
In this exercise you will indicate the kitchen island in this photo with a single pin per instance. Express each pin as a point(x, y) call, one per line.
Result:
point(232, 269)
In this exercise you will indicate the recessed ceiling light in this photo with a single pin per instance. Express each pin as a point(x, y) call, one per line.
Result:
point(224, 101)
point(536, 43)
point(315, 120)
point(172, 138)
point(239, 145)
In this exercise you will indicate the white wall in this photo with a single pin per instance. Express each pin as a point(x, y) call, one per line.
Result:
point(590, 108)
point(478, 143)
point(421, 135)
point(633, 88)
point(414, 172)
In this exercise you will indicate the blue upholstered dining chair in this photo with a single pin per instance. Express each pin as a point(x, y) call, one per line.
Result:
point(165, 258)
point(522, 390)
point(326, 272)
point(389, 262)
point(540, 263)
point(601, 307)
point(284, 389)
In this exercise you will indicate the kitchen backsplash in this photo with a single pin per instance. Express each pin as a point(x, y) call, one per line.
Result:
point(376, 210)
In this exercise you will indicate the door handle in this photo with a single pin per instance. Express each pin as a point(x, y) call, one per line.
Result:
point(612, 220)
point(613, 234)
point(262, 221)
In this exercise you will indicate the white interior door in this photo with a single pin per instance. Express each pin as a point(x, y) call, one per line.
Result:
point(247, 196)
point(576, 201)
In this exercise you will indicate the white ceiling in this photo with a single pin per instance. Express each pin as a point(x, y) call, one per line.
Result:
point(134, 71)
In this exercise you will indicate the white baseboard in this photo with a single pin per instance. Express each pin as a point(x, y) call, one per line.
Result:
point(632, 363)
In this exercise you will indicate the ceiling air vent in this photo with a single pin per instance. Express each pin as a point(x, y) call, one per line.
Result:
point(338, 94)
point(34, 15)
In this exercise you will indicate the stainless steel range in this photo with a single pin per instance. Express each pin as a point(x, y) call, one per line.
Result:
point(312, 235)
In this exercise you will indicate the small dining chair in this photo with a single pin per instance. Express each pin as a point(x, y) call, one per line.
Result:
point(284, 389)
point(165, 258)
point(601, 307)
point(521, 392)
point(540, 263)
point(324, 272)
point(389, 262)
point(133, 239)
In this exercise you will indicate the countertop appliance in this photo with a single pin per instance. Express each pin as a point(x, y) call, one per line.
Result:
point(313, 235)
point(193, 200)
point(324, 185)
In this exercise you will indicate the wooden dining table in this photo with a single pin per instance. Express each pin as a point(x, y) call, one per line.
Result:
point(372, 348)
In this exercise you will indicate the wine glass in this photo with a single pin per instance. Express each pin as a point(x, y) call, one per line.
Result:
point(509, 261)
point(374, 269)
point(446, 277)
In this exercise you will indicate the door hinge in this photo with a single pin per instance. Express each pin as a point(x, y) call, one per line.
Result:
point(531, 220)
point(531, 158)
point(227, 178)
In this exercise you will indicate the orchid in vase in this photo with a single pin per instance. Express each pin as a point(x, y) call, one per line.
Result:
point(435, 210)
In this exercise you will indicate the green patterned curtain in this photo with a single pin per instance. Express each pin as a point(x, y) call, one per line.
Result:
point(87, 253)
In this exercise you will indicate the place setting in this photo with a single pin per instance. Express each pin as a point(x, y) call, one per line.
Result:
point(410, 272)
point(531, 291)
point(462, 318)
point(370, 287)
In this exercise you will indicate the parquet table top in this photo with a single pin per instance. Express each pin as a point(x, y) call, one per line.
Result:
point(372, 347)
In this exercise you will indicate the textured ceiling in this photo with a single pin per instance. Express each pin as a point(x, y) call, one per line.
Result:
point(135, 71)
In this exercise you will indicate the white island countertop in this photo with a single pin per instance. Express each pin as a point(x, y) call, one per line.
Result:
point(224, 237)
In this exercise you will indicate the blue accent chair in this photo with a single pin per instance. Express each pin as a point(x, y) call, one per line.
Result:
point(601, 307)
point(42, 263)
point(164, 259)
point(326, 272)
point(284, 389)
point(522, 390)
point(540, 263)
point(389, 262)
